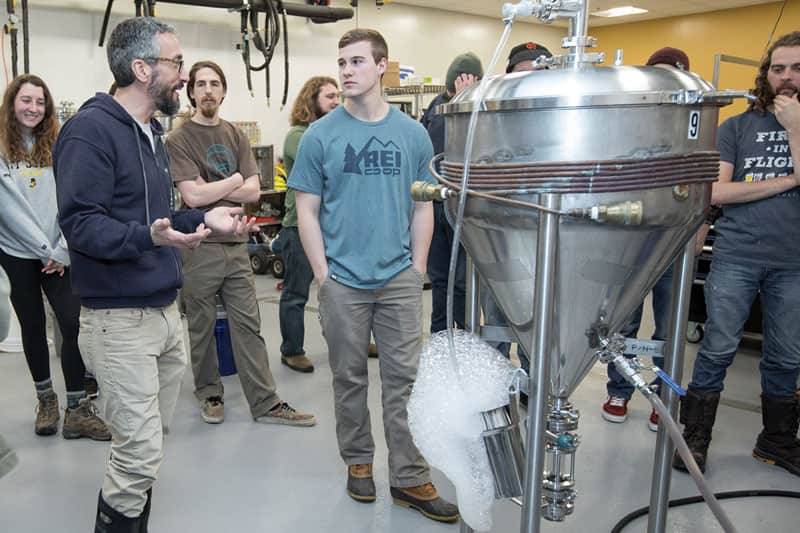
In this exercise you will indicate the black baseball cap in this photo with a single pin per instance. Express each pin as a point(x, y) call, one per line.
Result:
point(526, 51)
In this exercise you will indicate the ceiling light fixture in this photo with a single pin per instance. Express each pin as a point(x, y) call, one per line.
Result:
point(623, 11)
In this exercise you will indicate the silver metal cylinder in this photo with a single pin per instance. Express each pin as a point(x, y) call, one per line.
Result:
point(662, 472)
point(504, 448)
point(543, 300)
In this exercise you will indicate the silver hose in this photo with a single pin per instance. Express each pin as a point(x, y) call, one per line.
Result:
point(691, 464)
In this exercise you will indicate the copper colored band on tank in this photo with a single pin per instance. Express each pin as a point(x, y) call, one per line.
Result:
point(586, 176)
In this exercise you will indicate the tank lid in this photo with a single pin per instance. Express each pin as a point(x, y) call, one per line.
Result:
point(590, 87)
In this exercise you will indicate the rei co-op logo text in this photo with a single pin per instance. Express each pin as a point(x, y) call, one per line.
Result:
point(375, 158)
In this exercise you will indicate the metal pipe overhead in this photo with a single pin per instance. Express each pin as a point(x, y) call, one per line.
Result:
point(294, 9)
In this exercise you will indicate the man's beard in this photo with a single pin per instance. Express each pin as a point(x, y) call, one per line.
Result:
point(772, 93)
point(208, 112)
point(161, 95)
point(318, 112)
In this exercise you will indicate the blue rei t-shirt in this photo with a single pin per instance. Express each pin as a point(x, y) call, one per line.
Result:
point(363, 173)
point(763, 232)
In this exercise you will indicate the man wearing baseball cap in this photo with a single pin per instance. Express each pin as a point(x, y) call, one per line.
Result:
point(523, 56)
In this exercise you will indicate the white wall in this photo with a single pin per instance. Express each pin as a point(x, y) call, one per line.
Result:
point(64, 50)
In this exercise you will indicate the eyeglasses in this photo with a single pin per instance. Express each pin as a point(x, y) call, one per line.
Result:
point(177, 61)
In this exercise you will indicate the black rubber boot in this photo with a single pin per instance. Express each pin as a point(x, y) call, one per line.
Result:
point(698, 412)
point(146, 512)
point(110, 521)
point(777, 443)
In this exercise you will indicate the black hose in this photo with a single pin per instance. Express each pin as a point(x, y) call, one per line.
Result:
point(643, 511)
point(257, 39)
point(285, 60)
point(138, 4)
point(104, 26)
point(13, 33)
point(246, 51)
point(26, 47)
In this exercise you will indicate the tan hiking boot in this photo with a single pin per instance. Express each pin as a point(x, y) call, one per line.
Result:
point(47, 414)
point(360, 485)
point(83, 421)
point(298, 363)
point(427, 501)
point(213, 411)
point(285, 414)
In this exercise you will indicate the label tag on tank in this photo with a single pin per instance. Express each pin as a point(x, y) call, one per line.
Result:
point(694, 124)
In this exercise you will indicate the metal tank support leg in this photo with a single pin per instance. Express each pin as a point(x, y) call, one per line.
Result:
point(543, 305)
point(662, 469)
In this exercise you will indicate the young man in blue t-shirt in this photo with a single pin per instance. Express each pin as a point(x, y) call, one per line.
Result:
point(367, 243)
point(756, 251)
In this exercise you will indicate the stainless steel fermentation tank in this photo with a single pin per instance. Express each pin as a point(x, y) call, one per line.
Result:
point(631, 138)
point(585, 184)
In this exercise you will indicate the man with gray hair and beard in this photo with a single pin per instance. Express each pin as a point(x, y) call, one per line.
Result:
point(116, 212)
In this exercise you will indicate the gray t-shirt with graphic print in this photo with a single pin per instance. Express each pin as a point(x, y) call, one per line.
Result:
point(763, 232)
point(363, 173)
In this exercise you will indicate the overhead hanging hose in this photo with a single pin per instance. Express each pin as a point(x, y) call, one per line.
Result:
point(246, 51)
point(11, 29)
point(26, 49)
point(285, 59)
point(104, 25)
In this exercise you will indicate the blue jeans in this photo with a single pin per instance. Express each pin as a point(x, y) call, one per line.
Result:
point(662, 307)
point(294, 295)
point(729, 292)
point(438, 269)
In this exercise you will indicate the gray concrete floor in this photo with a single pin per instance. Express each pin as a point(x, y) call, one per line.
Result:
point(242, 476)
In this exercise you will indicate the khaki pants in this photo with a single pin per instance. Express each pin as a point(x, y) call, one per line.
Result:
point(138, 358)
point(393, 314)
point(221, 268)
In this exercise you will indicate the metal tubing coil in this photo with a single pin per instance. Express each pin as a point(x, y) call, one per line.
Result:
point(586, 176)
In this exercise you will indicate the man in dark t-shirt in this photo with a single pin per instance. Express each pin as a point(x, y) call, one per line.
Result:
point(756, 251)
point(212, 165)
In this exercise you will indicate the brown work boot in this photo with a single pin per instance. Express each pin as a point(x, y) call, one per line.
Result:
point(47, 414)
point(426, 500)
point(83, 421)
point(360, 485)
point(298, 363)
point(283, 413)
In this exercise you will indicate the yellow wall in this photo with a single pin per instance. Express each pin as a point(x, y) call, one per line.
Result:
point(741, 32)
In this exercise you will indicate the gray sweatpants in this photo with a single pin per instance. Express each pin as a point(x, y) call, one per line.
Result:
point(393, 314)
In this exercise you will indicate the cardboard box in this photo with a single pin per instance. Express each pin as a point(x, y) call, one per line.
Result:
point(391, 78)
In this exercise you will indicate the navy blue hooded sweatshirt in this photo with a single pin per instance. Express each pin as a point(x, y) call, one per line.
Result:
point(111, 186)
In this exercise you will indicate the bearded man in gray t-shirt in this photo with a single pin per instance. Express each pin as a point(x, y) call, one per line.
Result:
point(756, 251)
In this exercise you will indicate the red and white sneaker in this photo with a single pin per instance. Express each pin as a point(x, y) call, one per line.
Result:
point(652, 422)
point(615, 409)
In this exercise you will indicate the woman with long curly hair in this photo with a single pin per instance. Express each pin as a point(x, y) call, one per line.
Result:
point(34, 255)
point(316, 98)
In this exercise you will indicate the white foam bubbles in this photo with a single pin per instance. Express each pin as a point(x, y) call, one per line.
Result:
point(444, 416)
